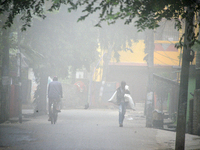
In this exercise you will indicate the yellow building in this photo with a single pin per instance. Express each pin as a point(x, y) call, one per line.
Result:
point(165, 54)
point(133, 68)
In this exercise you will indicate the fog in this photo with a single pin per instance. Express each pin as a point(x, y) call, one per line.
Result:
point(64, 42)
point(112, 76)
point(64, 47)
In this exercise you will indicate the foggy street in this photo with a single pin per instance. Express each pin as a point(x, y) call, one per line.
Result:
point(80, 129)
point(92, 58)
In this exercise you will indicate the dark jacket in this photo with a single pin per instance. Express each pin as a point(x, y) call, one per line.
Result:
point(120, 95)
point(55, 90)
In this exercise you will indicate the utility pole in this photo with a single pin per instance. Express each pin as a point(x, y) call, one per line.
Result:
point(149, 44)
point(183, 93)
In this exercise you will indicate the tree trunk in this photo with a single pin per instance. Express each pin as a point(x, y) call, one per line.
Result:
point(42, 108)
point(106, 60)
point(197, 66)
point(183, 93)
point(5, 78)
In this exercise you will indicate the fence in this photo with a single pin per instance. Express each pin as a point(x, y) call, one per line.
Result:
point(166, 94)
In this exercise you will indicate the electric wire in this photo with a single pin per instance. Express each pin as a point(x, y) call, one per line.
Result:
point(161, 61)
point(167, 56)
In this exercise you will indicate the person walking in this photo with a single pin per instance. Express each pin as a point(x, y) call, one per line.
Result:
point(127, 97)
point(121, 102)
point(124, 98)
point(54, 93)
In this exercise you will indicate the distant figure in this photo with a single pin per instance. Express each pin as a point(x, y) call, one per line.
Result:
point(121, 102)
point(123, 99)
point(54, 92)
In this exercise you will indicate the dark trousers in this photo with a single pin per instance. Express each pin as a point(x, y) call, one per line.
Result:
point(122, 111)
point(50, 103)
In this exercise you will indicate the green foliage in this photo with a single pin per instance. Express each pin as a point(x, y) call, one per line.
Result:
point(148, 13)
point(117, 37)
point(27, 9)
point(58, 44)
point(196, 46)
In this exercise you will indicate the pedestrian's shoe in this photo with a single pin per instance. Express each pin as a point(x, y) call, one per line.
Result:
point(120, 125)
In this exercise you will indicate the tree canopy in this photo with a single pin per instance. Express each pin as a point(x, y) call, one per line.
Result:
point(148, 13)
point(58, 42)
point(27, 9)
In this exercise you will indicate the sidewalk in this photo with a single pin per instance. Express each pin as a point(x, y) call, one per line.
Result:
point(27, 112)
point(166, 139)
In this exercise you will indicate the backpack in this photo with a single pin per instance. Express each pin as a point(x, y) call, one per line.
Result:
point(120, 95)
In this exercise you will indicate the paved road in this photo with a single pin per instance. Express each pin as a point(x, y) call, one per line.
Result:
point(79, 129)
